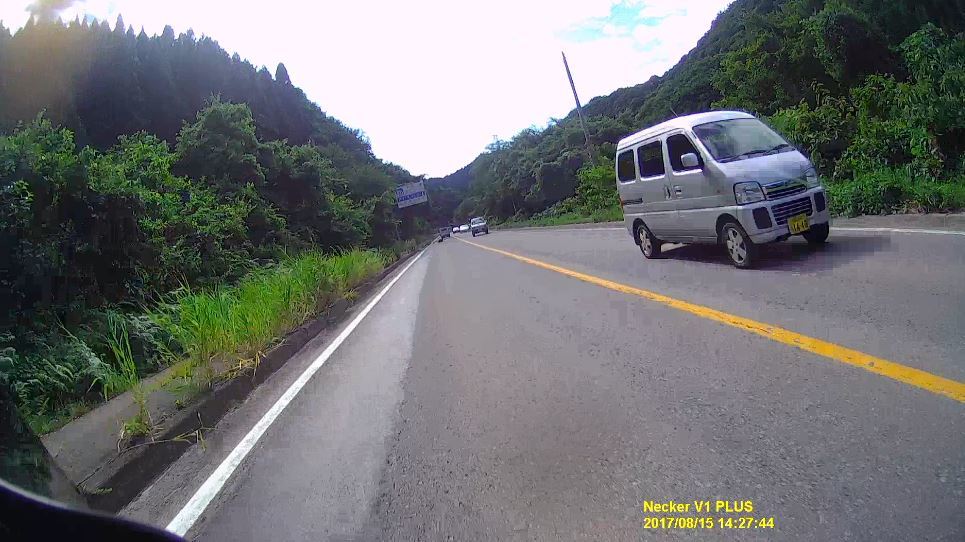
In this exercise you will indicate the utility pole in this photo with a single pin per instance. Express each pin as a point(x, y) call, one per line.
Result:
point(579, 108)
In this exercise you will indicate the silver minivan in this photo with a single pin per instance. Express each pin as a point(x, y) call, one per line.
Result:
point(720, 177)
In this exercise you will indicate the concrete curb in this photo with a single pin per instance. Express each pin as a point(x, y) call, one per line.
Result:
point(112, 482)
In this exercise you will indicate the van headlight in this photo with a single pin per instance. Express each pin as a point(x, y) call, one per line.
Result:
point(811, 178)
point(748, 192)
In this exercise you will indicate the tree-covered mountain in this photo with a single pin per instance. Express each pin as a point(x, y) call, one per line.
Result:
point(101, 83)
point(872, 89)
point(131, 164)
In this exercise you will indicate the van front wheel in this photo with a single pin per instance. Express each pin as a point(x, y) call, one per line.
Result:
point(817, 235)
point(741, 250)
point(649, 245)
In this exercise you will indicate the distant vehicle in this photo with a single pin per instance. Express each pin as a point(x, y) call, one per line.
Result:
point(478, 226)
point(720, 177)
point(464, 228)
point(443, 233)
point(455, 229)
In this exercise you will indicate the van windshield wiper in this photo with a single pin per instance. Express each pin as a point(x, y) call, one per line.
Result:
point(762, 152)
point(777, 147)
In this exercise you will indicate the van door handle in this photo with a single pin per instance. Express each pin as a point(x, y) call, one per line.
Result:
point(678, 190)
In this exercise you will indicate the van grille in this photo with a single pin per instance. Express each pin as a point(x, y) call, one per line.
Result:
point(783, 211)
point(783, 189)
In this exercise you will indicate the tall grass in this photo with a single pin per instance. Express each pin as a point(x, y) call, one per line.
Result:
point(400, 248)
point(123, 375)
point(67, 373)
point(245, 319)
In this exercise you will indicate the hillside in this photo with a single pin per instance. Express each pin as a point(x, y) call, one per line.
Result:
point(101, 83)
point(830, 75)
point(149, 183)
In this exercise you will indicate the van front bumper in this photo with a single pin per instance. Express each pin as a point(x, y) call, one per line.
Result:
point(766, 221)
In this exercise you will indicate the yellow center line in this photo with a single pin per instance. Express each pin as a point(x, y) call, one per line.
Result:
point(896, 371)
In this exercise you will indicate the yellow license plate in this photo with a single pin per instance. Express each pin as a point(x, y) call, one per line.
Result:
point(798, 223)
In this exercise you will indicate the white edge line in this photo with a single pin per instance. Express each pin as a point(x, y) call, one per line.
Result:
point(897, 230)
point(833, 228)
point(191, 511)
point(598, 229)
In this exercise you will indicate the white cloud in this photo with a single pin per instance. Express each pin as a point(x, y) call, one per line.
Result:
point(432, 81)
point(665, 8)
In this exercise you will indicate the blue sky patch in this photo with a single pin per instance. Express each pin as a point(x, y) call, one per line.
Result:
point(623, 19)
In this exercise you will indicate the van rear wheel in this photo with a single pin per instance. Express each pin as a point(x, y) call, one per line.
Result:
point(741, 250)
point(649, 245)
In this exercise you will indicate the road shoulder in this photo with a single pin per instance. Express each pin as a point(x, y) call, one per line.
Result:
point(165, 497)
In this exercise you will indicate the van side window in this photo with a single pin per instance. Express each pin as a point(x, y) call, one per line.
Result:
point(677, 146)
point(625, 170)
point(651, 159)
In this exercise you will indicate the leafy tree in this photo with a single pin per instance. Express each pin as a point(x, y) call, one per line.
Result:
point(189, 236)
point(221, 147)
point(848, 44)
point(42, 184)
point(595, 190)
point(916, 122)
point(302, 185)
point(281, 74)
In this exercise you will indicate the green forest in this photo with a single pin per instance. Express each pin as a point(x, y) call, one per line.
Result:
point(872, 90)
point(155, 189)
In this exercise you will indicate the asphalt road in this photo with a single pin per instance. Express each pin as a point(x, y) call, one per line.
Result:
point(485, 398)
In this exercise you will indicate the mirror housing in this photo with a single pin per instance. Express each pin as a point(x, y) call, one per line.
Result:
point(689, 160)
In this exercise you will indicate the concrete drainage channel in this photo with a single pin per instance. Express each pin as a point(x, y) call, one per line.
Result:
point(87, 448)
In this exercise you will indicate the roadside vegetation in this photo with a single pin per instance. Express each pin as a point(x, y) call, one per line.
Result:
point(210, 333)
point(595, 201)
point(245, 319)
point(872, 90)
point(163, 203)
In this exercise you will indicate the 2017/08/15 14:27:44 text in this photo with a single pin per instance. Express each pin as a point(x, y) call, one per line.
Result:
point(707, 522)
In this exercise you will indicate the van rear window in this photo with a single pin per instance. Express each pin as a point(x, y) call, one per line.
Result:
point(651, 159)
point(625, 170)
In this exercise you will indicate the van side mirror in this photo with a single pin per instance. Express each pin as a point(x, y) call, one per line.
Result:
point(689, 160)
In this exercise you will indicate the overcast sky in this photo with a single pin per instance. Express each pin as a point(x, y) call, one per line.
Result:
point(431, 82)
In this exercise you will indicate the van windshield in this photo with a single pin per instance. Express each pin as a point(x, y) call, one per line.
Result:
point(737, 139)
